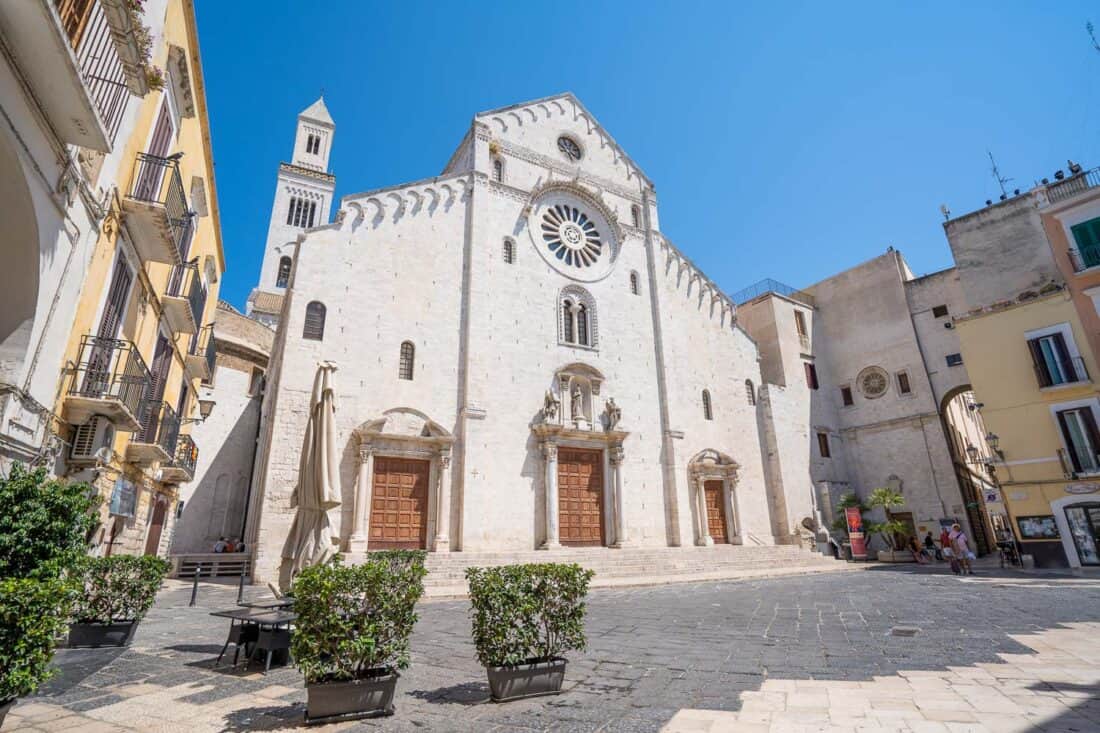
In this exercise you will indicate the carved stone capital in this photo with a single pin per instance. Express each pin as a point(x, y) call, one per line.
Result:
point(445, 460)
point(616, 455)
point(365, 451)
point(550, 451)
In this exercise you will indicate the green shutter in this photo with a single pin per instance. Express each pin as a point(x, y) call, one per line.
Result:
point(1087, 237)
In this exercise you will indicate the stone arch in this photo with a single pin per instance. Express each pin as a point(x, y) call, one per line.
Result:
point(709, 466)
point(19, 278)
point(582, 378)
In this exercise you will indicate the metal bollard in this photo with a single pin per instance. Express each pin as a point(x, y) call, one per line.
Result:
point(195, 584)
point(240, 585)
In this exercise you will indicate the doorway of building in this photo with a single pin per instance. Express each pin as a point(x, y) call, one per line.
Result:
point(399, 504)
point(156, 526)
point(580, 497)
point(714, 494)
point(1084, 525)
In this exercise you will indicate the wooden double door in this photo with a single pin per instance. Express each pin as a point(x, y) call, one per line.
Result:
point(580, 497)
point(715, 498)
point(399, 503)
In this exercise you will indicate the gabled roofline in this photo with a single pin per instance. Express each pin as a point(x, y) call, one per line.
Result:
point(573, 98)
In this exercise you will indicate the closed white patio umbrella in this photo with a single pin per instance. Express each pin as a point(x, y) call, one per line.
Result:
point(311, 536)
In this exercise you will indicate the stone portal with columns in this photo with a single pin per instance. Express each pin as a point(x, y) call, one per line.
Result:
point(710, 465)
point(403, 433)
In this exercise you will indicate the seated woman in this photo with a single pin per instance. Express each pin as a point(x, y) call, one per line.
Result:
point(915, 548)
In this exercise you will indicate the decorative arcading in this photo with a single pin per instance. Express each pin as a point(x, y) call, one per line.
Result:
point(698, 284)
point(564, 106)
point(411, 199)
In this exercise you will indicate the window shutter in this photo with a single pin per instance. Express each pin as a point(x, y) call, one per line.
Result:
point(1093, 434)
point(115, 307)
point(1041, 371)
point(1063, 356)
point(1069, 442)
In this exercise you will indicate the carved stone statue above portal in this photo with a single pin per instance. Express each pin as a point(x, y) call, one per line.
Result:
point(550, 407)
point(614, 414)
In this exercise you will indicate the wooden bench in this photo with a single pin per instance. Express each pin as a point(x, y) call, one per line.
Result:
point(212, 565)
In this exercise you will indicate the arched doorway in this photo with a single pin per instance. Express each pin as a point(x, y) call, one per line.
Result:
point(19, 275)
point(972, 459)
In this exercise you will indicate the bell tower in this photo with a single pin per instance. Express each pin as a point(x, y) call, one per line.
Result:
point(303, 197)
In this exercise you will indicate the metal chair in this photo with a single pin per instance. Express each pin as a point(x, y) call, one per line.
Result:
point(240, 635)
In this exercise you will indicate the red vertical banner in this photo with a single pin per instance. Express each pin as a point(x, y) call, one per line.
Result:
point(855, 532)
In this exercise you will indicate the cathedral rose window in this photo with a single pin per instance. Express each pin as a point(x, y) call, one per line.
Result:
point(571, 236)
point(575, 235)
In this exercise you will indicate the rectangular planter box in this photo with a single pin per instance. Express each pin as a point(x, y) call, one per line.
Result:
point(530, 679)
point(368, 697)
point(118, 633)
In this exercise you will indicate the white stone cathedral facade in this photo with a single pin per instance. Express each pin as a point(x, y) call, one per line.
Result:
point(524, 360)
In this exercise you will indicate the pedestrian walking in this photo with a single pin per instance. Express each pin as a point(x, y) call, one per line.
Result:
point(960, 548)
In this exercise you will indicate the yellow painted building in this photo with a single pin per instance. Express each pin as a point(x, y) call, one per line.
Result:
point(1032, 369)
point(141, 342)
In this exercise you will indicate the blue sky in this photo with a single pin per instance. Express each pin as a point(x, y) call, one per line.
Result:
point(788, 140)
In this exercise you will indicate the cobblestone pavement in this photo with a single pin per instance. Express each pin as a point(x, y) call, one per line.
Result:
point(760, 647)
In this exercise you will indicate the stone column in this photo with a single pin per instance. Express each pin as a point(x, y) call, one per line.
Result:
point(729, 484)
point(704, 539)
point(443, 504)
point(361, 509)
point(615, 455)
point(550, 460)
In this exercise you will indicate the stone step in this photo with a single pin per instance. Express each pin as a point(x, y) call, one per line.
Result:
point(457, 589)
point(638, 566)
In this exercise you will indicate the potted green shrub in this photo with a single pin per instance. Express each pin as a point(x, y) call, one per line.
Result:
point(114, 593)
point(352, 632)
point(33, 613)
point(44, 528)
point(524, 618)
point(887, 499)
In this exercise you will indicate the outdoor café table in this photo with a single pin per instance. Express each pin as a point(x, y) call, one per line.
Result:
point(263, 629)
point(277, 603)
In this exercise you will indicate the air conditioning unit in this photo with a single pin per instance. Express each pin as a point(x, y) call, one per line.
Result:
point(949, 325)
point(89, 437)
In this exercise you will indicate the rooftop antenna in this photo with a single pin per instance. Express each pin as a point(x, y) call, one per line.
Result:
point(1001, 181)
point(1092, 35)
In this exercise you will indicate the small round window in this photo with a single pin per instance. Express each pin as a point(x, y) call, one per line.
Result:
point(569, 148)
point(873, 382)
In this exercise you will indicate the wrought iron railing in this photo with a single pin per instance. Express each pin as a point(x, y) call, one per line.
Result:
point(769, 285)
point(1075, 372)
point(1075, 184)
point(160, 425)
point(202, 345)
point(187, 455)
point(100, 66)
point(185, 282)
point(1084, 257)
point(157, 180)
point(110, 369)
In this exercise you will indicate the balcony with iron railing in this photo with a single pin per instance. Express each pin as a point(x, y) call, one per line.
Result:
point(1084, 257)
point(185, 299)
point(1070, 372)
point(156, 206)
point(182, 466)
point(1079, 182)
point(68, 50)
point(109, 378)
point(201, 354)
point(156, 441)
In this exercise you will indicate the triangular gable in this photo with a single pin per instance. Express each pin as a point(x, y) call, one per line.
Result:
point(527, 112)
